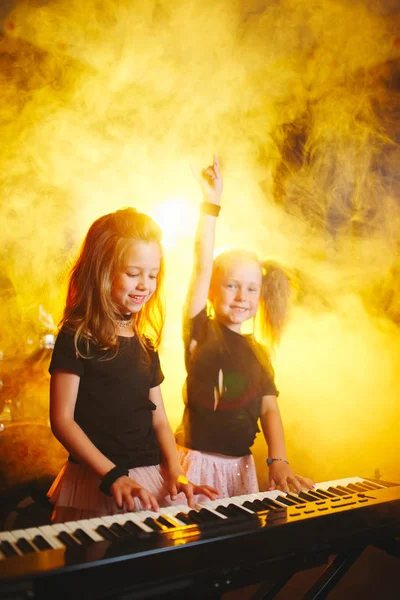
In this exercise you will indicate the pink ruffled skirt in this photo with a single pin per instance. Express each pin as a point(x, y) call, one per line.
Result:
point(75, 493)
point(230, 475)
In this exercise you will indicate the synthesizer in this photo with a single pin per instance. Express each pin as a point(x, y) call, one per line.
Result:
point(219, 544)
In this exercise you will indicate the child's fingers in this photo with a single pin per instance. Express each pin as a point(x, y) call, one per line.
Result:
point(304, 482)
point(295, 483)
point(188, 491)
point(282, 484)
point(207, 490)
point(118, 497)
point(147, 499)
point(212, 489)
point(128, 501)
point(173, 491)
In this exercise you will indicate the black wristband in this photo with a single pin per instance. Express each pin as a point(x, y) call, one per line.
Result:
point(208, 208)
point(110, 478)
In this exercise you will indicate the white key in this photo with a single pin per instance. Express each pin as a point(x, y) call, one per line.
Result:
point(201, 505)
point(326, 484)
point(74, 525)
point(274, 496)
point(236, 502)
point(132, 516)
point(48, 532)
point(32, 532)
point(26, 535)
point(90, 526)
point(6, 536)
point(59, 527)
point(96, 522)
point(172, 511)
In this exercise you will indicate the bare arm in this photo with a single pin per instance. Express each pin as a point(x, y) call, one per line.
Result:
point(177, 481)
point(210, 181)
point(280, 473)
point(164, 433)
point(64, 387)
point(272, 426)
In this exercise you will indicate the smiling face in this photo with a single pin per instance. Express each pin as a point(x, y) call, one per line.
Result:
point(136, 282)
point(235, 291)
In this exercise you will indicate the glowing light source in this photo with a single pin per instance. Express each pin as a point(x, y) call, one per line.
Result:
point(176, 218)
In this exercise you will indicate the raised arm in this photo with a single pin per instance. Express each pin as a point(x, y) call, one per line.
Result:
point(210, 181)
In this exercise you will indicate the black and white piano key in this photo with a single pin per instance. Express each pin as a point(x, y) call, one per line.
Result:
point(147, 523)
point(31, 540)
point(8, 545)
point(51, 535)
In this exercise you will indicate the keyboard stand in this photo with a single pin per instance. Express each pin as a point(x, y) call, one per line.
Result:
point(336, 569)
point(332, 574)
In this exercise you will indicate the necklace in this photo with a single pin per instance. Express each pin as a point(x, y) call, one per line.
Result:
point(125, 322)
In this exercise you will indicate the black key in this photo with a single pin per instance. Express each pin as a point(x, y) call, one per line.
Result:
point(164, 521)
point(344, 489)
point(255, 506)
point(7, 549)
point(67, 540)
point(106, 533)
point(295, 499)
point(325, 493)
point(118, 530)
point(336, 491)
point(307, 496)
point(209, 516)
point(270, 504)
point(238, 511)
point(41, 543)
point(152, 523)
point(25, 546)
point(372, 486)
point(134, 529)
point(316, 495)
point(285, 500)
point(196, 517)
point(83, 537)
point(184, 518)
point(203, 516)
point(362, 487)
point(355, 487)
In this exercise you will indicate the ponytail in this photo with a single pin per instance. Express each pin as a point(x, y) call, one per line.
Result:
point(274, 304)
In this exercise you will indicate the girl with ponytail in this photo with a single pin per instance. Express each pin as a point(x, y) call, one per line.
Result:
point(230, 385)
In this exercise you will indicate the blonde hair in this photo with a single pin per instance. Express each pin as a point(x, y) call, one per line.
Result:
point(274, 306)
point(90, 311)
point(276, 291)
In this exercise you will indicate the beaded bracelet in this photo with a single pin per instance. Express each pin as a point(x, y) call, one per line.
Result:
point(110, 478)
point(271, 460)
point(208, 208)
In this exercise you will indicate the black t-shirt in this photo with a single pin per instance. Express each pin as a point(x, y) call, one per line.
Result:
point(113, 406)
point(227, 376)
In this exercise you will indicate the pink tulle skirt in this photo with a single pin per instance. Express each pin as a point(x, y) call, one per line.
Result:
point(230, 475)
point(75, 493)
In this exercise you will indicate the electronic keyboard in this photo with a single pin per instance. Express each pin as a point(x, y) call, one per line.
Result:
point(216, 546)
